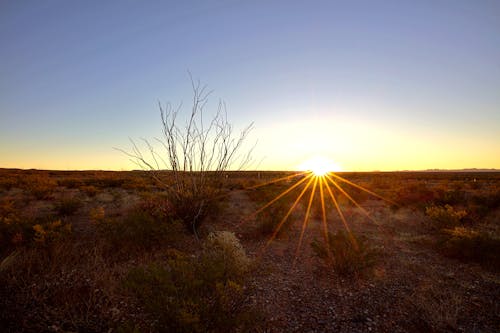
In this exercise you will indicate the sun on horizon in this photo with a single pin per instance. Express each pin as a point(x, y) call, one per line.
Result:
point(319, 166)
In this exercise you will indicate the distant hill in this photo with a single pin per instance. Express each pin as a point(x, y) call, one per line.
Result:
point(462, 170)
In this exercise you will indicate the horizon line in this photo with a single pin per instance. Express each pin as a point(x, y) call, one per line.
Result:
point(342, 171)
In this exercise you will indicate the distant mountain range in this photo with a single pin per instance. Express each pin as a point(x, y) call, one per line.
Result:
point(461, 170)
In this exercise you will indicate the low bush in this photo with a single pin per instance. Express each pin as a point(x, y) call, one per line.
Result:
point(41, 231)
point(41, 187)
point(67, 206)
point(223, 257)
point(89, 190)
point(455, 196)
point(269, 219)
point(414, 195)
point(468, 245)
point(70, 182)
point(346, 254)
point(12, 232)
point(445, 216)
point(68, 291)
point(189, 294)
point(485, 203)
point(48, 234)
point(6, 183)
point(137, 230)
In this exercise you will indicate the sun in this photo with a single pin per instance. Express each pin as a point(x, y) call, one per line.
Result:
point(319, 166)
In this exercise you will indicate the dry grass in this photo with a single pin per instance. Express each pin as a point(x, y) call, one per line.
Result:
point(71, 242)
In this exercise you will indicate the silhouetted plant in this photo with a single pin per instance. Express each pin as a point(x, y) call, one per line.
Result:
point(196, 156)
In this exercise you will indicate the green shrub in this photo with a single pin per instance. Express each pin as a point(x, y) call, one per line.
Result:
point(468, 245)
point(189, 294)
point(445, 216)
point(346, 254)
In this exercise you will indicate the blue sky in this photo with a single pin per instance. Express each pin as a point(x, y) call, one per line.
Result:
point(373, 85)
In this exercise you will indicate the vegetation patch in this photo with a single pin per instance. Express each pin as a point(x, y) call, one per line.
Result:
point(346, 254)
point(445, 216)
point(203, 294)
point(468, 245)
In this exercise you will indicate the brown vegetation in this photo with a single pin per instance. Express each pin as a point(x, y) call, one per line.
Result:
point(94, 251)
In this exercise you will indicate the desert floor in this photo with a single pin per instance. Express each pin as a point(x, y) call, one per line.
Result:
point(63, 266)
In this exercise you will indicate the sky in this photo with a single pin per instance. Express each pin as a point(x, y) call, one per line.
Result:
point(370, 85)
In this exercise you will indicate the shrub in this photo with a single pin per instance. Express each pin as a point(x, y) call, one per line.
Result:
point(40, 186)
point(11, 231)
point(445, 216)
point(414, 195)
point(50, 233)
point(482, 205)
point(190, 294)
point(97, 215)
point(70, 182)
point(346, 254)
point(67, 206)
point(90, 190)
point(15, 230)
point(197, 155)
point(269, 219)
point(137, 230)
point(223, 257)
point(69, 288)
point(468, 245)
point(451, 197)
point(6, 182)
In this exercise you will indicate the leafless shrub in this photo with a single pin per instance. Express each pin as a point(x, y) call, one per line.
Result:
point(191, 162)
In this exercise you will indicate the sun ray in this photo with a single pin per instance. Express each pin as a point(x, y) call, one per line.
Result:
point(346, 226)
point(363, 189)
point(279, 196)
point(306, 218)
point(323, 213)
point(352, 200)
point(321, 181)
point(220, 196)
point(273, 236)
point(276, 180)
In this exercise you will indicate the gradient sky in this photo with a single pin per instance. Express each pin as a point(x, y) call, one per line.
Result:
point(372, 85)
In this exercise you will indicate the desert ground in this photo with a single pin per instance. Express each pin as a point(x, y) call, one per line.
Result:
point(95, 251)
